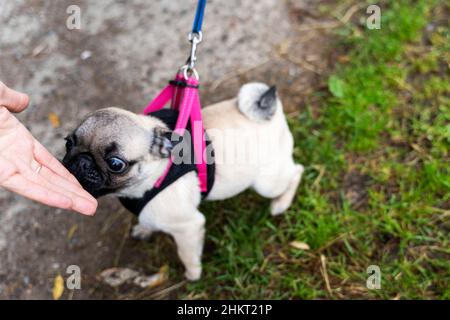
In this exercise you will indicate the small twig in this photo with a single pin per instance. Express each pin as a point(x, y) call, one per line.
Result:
point(332, 24)
point(301, 63)
point(403, 85)
point(331, 242)
point(110, 221)
point(321, 170)
point(168, 290)
point(350, 12)
point(38, 50)
point(318, 26)
point(444, 214)
point(236, 73)
point(293, 114)
point(420, 151)
point(324, 272)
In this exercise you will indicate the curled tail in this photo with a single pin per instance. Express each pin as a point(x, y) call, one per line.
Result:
point(258, 101)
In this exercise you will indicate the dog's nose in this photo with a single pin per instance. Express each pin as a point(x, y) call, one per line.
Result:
point(85, 162)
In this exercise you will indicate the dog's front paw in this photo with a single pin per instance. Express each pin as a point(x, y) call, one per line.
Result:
point(139, 232)
point(193, 274)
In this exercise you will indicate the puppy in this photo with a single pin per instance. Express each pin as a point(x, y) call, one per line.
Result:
point(117, 152)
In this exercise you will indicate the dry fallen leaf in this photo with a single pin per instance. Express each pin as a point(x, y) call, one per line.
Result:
point(397, 297)
point(72, 231)
point(343, 59)
point(85, 55)
point(118, 276)
point(153, 280)
point(54, 120)
point(38, 50)
point(284, 47)
point(283, 256)
point(58, 287)
point(299, 245)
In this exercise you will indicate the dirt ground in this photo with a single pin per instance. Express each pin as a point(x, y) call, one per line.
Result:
point(123, 54)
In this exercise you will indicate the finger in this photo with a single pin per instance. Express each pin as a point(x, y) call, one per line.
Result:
point(43, 156)
point(13, 100)
point(79, 204)
point(65, 184)
point(36, 192)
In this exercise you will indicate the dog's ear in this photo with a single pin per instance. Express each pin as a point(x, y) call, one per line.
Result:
point(268, 99)
point(161, 144)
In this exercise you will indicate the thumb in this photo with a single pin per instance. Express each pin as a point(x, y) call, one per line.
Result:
point(13, 101)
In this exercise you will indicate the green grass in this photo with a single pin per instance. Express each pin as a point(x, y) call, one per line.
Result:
point(376, 190)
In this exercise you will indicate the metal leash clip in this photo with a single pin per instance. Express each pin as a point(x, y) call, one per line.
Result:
point(195, 38)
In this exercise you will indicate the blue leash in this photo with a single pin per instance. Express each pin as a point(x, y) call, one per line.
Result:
point(197, 27)
point(195, 37)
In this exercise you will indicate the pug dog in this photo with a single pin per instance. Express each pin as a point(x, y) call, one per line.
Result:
point(117, 152)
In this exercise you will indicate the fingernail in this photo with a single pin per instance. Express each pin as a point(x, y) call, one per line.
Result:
point(21, 102)
point(24, 100)
point(85, 207)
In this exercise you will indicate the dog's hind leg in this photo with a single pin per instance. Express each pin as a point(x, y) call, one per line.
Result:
point(280, 186)
point(281, 203)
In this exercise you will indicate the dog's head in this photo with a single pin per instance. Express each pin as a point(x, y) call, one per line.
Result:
point(114, 151)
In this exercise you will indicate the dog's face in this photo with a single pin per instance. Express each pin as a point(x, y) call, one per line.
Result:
point(113, 150)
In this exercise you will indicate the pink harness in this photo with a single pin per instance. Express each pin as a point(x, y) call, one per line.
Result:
point(183, 92)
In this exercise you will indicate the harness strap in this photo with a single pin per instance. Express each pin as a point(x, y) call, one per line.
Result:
point(160, 100)
point(186, 93)
point(198, 134)
point(178, 91)
point(185, 107)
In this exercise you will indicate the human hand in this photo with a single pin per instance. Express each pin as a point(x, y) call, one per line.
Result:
point(28, 169)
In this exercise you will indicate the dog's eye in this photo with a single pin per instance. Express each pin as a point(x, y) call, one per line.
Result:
point(116, 165)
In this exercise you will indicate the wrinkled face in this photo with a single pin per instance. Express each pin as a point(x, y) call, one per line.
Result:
point(113, 149)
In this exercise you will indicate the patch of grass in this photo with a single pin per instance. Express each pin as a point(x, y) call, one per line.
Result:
point(376, 190)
